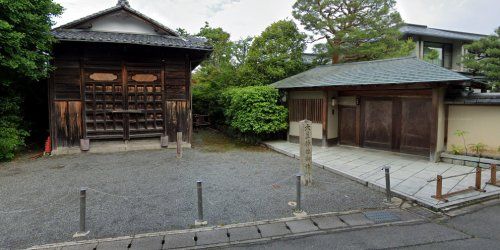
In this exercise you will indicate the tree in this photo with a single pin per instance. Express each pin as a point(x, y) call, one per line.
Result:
point(274, 55)
point(355, 30)
point(25, 45)
point(483, 56)
point(214, 75)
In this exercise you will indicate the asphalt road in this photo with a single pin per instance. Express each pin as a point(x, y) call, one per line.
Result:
point(150, 191)
point(477, 230)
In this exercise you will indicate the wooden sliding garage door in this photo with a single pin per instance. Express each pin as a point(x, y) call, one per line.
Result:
point(401, 124)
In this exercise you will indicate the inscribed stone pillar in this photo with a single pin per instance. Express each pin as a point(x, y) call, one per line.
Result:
point(305, 139)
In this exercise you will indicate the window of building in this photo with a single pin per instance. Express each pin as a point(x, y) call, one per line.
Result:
point(438, 53)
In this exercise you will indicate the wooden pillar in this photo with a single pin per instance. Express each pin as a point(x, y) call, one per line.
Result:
point(324, 118)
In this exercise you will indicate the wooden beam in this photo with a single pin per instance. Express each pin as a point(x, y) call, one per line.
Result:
point(434, 124)
point(324, 117)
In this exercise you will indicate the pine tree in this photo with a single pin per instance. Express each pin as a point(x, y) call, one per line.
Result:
point(355, 30)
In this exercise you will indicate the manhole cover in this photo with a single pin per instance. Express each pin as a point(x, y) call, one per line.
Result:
point(382, 216)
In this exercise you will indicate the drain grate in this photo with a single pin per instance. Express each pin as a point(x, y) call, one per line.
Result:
point(382, 216)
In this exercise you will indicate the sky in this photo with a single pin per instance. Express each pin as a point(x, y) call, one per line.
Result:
point(242, 18)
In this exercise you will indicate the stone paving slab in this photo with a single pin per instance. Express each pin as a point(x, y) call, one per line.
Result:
point(81, 247)
point(301, 226)
point(273, 229)
point(329, 222)
point(411, 176)
point(243, 233)
point(216, 236)
point(147, 243)
point(179, 240)
point(114, 245)
point(356, 219)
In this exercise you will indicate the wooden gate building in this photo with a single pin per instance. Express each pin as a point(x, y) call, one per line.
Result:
point(120, 75)
point(393, 104)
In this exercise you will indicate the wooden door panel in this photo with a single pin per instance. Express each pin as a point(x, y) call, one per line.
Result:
point(104, 104)
point(144, 100)
point(347, 117)
point(415, 125)
point(377, 123)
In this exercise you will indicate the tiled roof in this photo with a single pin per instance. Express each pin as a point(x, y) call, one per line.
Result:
point(422, 30)
point(475, 98)
point(127, 38)
point(388, 71)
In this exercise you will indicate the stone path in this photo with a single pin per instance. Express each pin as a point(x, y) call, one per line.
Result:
point(249, 233)
point(410, 175)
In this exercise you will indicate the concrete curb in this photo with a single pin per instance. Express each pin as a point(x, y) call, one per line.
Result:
point(319, 231)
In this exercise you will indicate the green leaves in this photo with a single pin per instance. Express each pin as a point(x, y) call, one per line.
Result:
point(355, 30)
point(25, 39)
point(254, 110)
point(484, 57)
point(25, 44)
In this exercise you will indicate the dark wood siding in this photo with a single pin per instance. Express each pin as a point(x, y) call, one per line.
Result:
point(347, 121)
point(397, 120)
point(377, 123)
point(416, 115)
point(111, 91)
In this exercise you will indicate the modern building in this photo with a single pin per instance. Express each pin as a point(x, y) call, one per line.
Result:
point(120, 75)
point(447, 43)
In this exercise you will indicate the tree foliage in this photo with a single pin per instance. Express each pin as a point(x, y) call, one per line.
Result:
point(274, 55)
point(354, 29)
point(25, 40)
point(483, 56)
point(253, 61)
point(255, 110)
point(25, 43)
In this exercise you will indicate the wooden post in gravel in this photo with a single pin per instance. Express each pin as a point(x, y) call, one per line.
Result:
point(179, 145)
point(305, 139)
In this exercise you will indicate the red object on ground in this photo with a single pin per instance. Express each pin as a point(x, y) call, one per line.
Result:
point(48, 146)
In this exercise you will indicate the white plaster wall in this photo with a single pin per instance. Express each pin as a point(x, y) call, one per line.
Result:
point(441, 120)
point(121, 22)
point(482, 124)
point(333, 119)
point(317, 130)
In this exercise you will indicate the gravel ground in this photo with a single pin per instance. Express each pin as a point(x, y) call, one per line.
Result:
point(148, 191)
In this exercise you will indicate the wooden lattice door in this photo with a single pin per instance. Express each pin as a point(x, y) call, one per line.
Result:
point(127, 109)
point(144, 104)
point(104, 100)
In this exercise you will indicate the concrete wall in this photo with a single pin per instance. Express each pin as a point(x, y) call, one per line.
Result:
point(482, 124)
point(121, 22)
point(317, 128)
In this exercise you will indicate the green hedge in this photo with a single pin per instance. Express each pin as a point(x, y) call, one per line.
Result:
point(11, 134)
point(254, 111)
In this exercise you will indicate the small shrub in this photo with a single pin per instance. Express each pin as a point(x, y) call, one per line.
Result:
point(457, 149)
point(254, 111)
point(11, 134)
point(478, 148)
point(461, 134)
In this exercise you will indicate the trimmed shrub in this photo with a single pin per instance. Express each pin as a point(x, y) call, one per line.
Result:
point(254, 111)
point(11, 134)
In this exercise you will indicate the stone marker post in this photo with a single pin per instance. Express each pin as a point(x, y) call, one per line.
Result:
point(305, 139)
